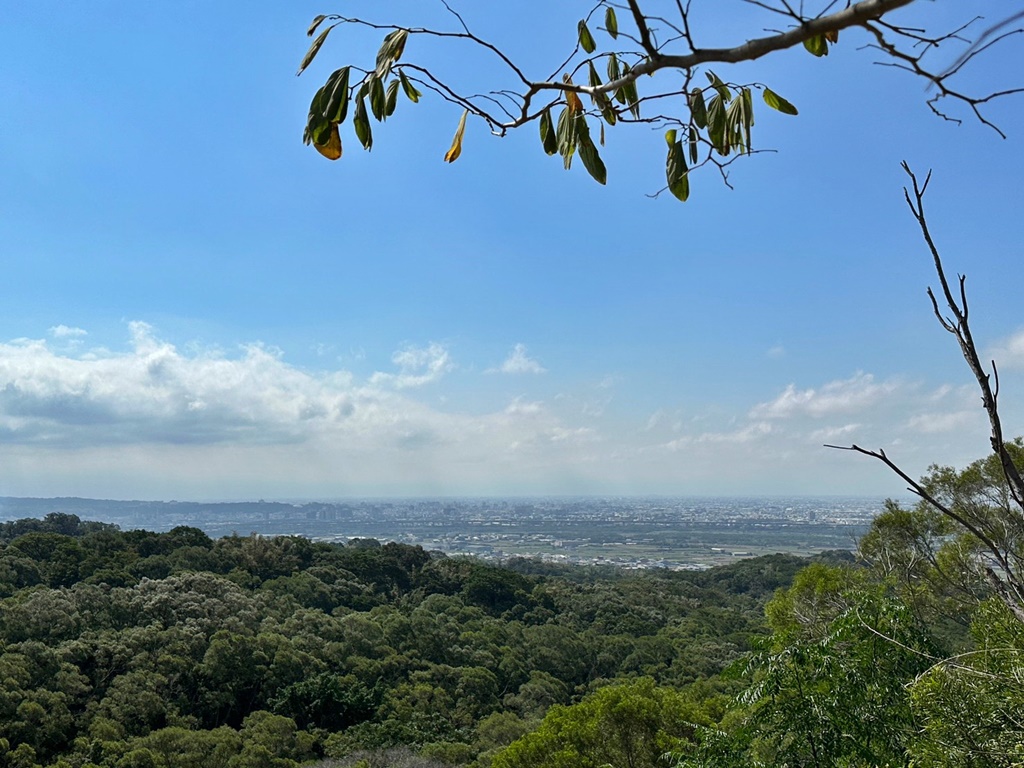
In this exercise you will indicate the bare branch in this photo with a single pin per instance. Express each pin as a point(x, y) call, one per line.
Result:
point(998, 538)
point(962, 331)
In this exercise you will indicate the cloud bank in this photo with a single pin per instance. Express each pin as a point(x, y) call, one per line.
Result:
point(152, 420)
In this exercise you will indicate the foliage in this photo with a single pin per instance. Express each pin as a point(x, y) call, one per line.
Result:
point(970, 704)
point(830, 687)
point(709, 120)
point(171, 649)
point(871, 665)
point(289, 651)
point(630, 725)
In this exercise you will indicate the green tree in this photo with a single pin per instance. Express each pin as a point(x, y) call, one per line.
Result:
point(632, 725)
point(830, 687)
point(969, 704)
point(177, 747)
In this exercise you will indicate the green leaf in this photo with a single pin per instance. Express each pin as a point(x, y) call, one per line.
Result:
point(547, 133)
point(717, 133)
point(607, 110)
point(315, 24)
point(589, 155)
point(737, 129)
point(377, 98)
point(676, 171)
point(698, 110)
point(595, 80)
point(718, 85)
point(391, 98)
point(627, 94)
point(319, 129)
point(610, 22)
point(565, 135)
point(634, 100)
point(586, 39)
point(670, 136)
point(410, 90)
point(318, 104)
point(314, 49)
point(391, 51)
point(361, 123)
point(613, 67)
point(456, 149)
point(338, 97)
point(817, 45)
point(317, 123)
point(694, 148)
point(773, 100)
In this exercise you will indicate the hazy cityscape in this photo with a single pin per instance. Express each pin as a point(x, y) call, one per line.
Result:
point(675, 533)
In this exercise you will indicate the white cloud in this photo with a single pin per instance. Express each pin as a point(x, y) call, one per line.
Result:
point(656, 419)
point(518, 362)
point(67, 332)
point(417, 366)
point(156, 419)
point(776, 352)
point(155, 393)
point(842, 396)
point(520, 407)
point(155, 416)
point(1008, 353)
point(749, 433)
point(834, 433)
point(954, 421)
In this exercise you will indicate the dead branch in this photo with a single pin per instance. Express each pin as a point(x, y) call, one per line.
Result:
point(1006, 578)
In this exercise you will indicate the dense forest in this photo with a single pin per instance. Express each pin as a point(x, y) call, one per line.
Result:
point(131, 649)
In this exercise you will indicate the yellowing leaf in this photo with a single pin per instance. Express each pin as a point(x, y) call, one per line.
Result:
point(332, 149)
point(456, 149)
point(575, 105)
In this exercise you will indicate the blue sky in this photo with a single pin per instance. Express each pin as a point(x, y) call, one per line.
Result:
point(195, 305)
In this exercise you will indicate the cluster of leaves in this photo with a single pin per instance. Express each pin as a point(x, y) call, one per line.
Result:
point(133, 648)
point(721, 115)
point(330, 104)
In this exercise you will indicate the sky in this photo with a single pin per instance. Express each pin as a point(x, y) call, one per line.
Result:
point(194, 305)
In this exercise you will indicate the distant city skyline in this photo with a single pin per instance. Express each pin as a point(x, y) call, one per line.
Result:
point(196, 306)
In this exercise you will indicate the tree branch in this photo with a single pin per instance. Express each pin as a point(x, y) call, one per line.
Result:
point(722, 123)
point(1007, 582)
